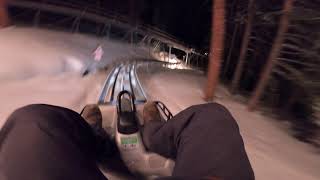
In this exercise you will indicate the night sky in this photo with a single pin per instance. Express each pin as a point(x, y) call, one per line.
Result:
point(188, 20)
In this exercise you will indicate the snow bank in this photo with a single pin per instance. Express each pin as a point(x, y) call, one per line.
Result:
point(273, 153)
point(42, 66)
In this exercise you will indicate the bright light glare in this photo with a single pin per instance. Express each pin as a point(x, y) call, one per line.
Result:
point(173, 59)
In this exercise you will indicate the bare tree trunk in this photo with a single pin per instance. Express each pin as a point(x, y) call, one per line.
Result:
point(244, 47)
point(98, 27)
point(134, 12)
point(216, 48)
point(4, 17)
point(291, 100)
point(275, 51)
point(235, 32)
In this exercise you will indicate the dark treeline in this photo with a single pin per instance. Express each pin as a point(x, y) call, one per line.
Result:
point(292, 91)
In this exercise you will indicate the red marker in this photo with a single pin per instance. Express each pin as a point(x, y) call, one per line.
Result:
point(98, 53)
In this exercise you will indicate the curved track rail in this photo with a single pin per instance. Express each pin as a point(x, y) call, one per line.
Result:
point(122, 77)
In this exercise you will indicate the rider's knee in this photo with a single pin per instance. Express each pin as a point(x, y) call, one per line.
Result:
point(209, 108)
point(32, 113)
point(213, 113)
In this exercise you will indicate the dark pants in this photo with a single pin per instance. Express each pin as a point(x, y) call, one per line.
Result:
point(41, 142)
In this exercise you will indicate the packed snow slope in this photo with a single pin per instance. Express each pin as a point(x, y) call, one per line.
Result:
point(43, 66)
point(273, 153)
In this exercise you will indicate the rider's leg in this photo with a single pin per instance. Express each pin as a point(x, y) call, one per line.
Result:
point(48, 143)
point(204, 140)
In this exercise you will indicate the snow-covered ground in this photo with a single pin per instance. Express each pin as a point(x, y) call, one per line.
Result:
point(273, 153)
point(42, 66)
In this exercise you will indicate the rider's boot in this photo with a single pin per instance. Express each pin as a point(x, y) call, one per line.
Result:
point(93, 116)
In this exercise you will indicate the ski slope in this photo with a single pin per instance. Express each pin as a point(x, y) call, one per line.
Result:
point(42, 66)
point(273, 153)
